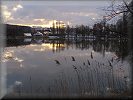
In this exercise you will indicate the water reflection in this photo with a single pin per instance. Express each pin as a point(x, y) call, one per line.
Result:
point(119, 47)
point(59, 67)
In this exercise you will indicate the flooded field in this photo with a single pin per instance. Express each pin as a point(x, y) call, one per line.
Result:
point(67, 68)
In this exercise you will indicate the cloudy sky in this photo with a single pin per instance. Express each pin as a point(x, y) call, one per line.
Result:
point(43, 13)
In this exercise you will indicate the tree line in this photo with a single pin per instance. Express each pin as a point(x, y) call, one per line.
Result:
point(120, 29)
point(16, 30)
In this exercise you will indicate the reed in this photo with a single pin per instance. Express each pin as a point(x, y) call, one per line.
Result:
point(30, 84)
point(73, 59)
point(88, 62)
point(57, 62)
point(93, 78)
point(91, 55)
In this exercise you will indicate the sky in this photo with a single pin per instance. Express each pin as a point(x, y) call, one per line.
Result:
point(43, 13)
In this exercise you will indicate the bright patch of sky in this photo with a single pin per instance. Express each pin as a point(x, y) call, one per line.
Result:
point(42, 13)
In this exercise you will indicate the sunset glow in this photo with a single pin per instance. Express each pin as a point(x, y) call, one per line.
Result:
point(29, 14)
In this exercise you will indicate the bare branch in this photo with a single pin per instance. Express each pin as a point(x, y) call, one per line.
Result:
point(114, 10)
point(128, 7)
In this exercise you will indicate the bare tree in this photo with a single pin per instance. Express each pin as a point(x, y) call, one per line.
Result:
point(114, 10)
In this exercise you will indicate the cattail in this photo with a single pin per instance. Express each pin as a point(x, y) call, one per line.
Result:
point(73, 59)
point(110, 64)
point(88, 62)
point(91, 56)
point(57, 62)
point(84, 63)
point(112, 60)
point(74, 67)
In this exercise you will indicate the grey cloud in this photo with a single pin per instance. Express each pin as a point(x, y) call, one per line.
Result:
point(57, 11)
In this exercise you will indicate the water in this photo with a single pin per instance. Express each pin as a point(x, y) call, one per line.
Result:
point(67, 68)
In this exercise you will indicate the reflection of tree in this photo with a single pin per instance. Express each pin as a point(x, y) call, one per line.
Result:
point(120, 47)
point(57, 45)
point(38, 40)
point(16, 42)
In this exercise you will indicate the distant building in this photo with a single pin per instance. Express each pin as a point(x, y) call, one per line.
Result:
point(38, 34)
point(37, 28)
point(27, 34)
point(47, 31)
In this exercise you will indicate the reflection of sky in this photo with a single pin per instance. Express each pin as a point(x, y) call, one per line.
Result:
point(37, 61)
point(44, 12)
point(36, 53)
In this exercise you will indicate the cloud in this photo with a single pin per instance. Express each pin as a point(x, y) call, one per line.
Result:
point(85, 14)
point(6, 13)
point(43, 13)
point(19, 6)
point(32, 22)
point(15, 8)
point(42, 20)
